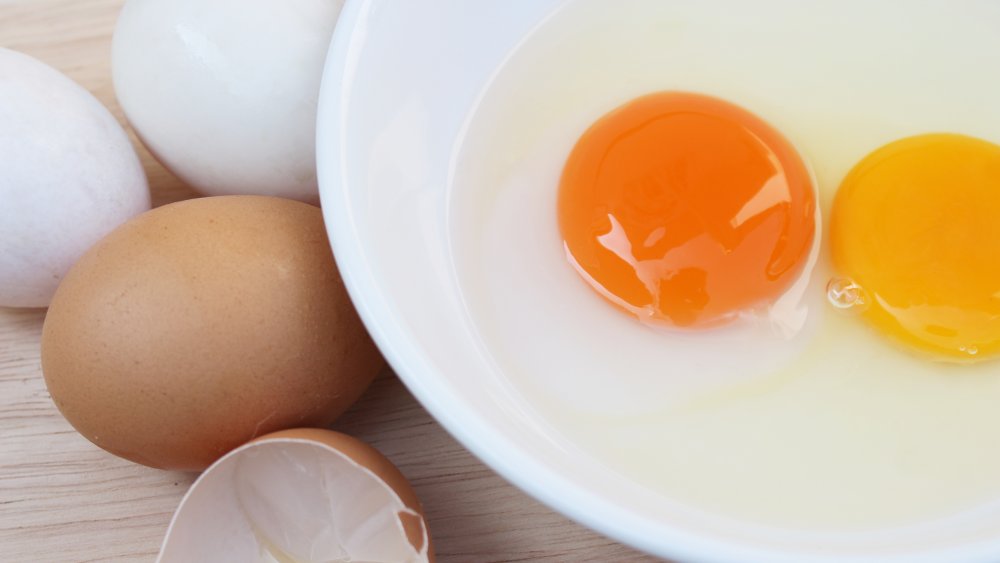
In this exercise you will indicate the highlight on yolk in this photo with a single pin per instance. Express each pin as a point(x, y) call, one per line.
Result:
point(915, 230)
point(685, 210)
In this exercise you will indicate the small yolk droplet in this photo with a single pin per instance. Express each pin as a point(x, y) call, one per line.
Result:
point(915, 225)
point(685, 210)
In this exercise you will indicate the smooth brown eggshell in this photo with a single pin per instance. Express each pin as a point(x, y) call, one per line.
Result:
point(200, 325)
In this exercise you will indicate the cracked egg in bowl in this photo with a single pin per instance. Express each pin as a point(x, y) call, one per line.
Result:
point(716, 279)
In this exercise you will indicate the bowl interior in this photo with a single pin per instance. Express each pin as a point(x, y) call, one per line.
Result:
point(401, 81)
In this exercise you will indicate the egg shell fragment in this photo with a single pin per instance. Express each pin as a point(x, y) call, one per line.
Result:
point(303, 495)
point(202, 324)
point(68, 176)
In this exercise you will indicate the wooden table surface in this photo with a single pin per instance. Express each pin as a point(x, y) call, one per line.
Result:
point(63, 499)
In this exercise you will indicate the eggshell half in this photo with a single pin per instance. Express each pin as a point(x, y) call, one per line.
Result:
point(303, 495)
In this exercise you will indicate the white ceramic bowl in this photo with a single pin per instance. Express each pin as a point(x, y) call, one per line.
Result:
point(400, 81)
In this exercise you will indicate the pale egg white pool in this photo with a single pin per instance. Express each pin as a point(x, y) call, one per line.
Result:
point(829, 429)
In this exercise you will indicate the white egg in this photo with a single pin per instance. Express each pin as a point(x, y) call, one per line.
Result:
point(224, 92)
point(68, 176)
point(832, 430)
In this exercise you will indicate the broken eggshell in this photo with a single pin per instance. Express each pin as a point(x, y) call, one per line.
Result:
point(299, 496)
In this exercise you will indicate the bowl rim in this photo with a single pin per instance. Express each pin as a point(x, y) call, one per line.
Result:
point(471, 430)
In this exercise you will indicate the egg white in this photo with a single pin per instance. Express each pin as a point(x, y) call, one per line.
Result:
point(830, 428)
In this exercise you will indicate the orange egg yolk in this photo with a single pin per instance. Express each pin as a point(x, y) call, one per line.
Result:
point(686, 210)
point(915, 229)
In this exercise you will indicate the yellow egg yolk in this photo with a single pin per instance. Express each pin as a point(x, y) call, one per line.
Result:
point(916, 231)
point(685, 210)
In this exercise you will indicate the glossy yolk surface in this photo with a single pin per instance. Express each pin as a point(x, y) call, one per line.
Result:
point(916, 225)
point(684, 209)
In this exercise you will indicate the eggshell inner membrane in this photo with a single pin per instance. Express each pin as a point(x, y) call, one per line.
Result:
point(289, 500)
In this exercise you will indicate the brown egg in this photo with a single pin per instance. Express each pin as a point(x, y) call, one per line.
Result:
point(200, 325)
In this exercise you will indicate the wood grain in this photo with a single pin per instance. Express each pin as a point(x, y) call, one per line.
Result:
point(62, 499)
